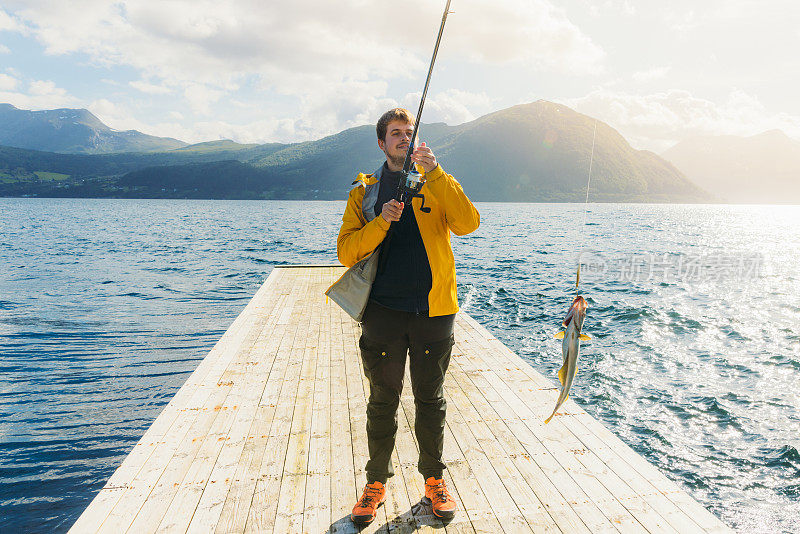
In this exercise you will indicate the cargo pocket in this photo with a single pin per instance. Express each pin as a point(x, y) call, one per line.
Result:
point(384, 365)
point(372, 355)
point(430, 365)
point(438, 349)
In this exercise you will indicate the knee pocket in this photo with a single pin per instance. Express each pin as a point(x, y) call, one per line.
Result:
point(383, 364)
point(372, 354)
point(435, 350)
point(429, 366)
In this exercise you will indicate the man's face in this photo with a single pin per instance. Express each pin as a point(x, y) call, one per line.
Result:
point(398, 136)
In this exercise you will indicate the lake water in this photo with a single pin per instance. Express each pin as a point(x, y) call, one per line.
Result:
point(106, 307)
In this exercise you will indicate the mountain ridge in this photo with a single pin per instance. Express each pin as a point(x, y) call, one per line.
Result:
point(532, 152)
point(762, 168)
point(68, 130)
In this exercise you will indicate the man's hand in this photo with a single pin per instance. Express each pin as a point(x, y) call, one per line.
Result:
point(392, 210)
point(424, 156)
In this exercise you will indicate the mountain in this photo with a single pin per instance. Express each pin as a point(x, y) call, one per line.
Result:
point(762, 169)
point(532, 152)
point(541, 151)
point(73, 131)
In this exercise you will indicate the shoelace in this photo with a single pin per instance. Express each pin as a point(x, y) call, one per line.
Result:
point(370, 495)
point(441, 495)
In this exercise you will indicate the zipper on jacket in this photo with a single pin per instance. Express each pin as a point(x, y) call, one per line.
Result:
point(417, 266)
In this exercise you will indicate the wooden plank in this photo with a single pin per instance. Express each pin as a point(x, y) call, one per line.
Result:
point(343, 478)
point(295, 470)
point(172, 419)
point(223, 476)
point(475, 507)
point(511, 497)
point(408, 454)
point(154, 508)
point(357, 404)
point(500, 501)
point(212, 497)
point(199, 476)
point(644, 512)
point(480, 416)
point(555, 441)
point(700, 517)
point(548, 493)
point(269, 435)
point(264, 504)
point(237, 502)
point(240, 495)
point(674, 516)
point(185, 408)
point(557, 477)
point(316, 512)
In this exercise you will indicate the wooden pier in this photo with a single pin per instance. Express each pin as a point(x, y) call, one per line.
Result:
point(268, 435)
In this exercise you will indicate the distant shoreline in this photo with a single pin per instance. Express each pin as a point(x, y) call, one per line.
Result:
point(344, 199)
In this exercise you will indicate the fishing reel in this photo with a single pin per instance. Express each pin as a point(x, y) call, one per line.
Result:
point(409, 188)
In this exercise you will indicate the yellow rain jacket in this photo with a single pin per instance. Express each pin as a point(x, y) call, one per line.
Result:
point(450, 210)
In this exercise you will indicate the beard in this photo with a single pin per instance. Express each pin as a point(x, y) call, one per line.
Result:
point(397, 161)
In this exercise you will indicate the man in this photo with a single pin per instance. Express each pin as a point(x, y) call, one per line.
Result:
point(412, 304)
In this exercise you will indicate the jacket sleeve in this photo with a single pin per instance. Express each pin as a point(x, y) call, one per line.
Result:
point(357, 237)
point(461, 216)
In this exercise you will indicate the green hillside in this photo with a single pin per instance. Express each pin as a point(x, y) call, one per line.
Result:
point(531, 152)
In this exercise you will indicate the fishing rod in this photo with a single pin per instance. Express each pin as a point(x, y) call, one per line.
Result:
point(412, 181)
point(585, 207)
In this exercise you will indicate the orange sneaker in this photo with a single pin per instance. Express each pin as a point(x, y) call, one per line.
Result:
point(443, 504)
point(365, 509)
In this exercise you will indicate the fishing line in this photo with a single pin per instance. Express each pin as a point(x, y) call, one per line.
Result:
point(585, 209)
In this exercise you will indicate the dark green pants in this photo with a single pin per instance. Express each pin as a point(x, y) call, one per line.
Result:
point(387, 337)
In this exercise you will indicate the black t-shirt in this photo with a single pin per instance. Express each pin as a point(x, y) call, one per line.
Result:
point(405, 280)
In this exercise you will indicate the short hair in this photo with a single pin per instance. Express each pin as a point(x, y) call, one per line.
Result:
point(396, 114)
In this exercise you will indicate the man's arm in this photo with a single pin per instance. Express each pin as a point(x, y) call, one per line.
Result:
point(461, 216)
point(357, 238)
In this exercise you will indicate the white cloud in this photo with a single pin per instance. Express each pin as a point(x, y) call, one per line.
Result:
point(657, 121)
point(8, 23)
point(336, 106)
point(533, 33)
point(41, 94)
point(452, 106)
point(656, 73)
point(191, 42)
point(200, 97)
point(45, 88)
point(624, 7)
point(120, 117)
point(4, 49)
point(334, 61)
point(8, 83)
point(150, 88)
point(112, 115)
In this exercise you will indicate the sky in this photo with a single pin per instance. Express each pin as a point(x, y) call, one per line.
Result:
point(297, 70)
